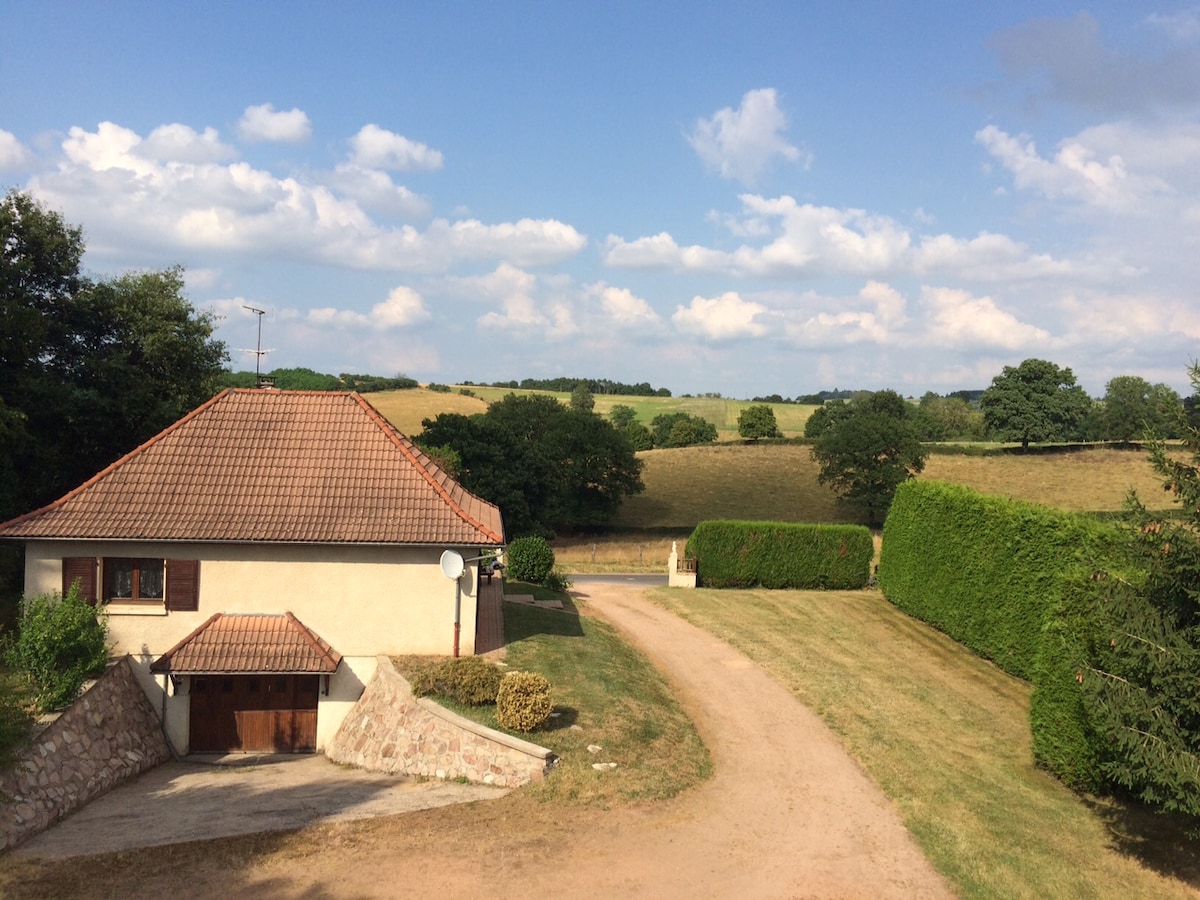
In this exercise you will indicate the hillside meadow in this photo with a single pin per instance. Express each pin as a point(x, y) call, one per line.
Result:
point(778, 482)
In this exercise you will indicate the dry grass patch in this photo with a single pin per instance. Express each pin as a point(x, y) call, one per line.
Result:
point(946, 735)
point(406, 409)
point(616, 553)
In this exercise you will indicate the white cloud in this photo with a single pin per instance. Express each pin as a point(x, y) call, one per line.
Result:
point(13, 154)
point(374, 189)
point(1182, 26)
point(402, 307)
point(180, 143)
point(958, 320)
point(376, 148)
point(874, 316)
point(1073, 173)
point(263, 123)
point(726, 317)
point(623, 309)
point(132, 199)
point(741, 144)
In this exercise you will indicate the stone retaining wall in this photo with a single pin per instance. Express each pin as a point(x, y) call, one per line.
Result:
point(390, 730)
point(108, 735)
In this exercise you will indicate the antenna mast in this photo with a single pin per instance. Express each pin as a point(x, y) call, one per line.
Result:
point(258, 351)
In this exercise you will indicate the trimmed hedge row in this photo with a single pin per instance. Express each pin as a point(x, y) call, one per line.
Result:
point(1010, 581)
point(780, 555)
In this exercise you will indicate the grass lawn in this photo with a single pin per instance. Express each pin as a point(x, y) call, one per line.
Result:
point(946, 735)
point(618, 700)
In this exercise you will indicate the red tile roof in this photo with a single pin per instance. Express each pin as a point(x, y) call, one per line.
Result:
point(252, 644)
point(276, 466)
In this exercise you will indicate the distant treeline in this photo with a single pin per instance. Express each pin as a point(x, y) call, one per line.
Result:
point(308, 380)
point(817, 399)
point(568, 385)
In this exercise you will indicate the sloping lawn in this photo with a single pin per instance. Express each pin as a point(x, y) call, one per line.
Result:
point(946, 735)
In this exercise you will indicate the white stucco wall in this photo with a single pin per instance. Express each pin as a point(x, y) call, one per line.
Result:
point(364, 601)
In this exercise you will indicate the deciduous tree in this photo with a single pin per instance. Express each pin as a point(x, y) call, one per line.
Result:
point(1034, 402)
point(758, 421)
point(869, 452)
point(1134, 407)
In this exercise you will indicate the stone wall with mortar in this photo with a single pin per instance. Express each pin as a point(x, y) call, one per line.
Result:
point(111, 733)
point(391, 730)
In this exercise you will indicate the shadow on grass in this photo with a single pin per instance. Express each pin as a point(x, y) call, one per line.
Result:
point(522, 622)
point(1159, 841)
point(561, 719)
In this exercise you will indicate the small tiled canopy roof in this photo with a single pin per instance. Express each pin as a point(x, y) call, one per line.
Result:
point(251, 644)
point(277, 466)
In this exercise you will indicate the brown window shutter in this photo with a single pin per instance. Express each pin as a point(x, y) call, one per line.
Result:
point(183, 585)
point(83, 570)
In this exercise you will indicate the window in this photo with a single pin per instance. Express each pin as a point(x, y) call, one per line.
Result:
point(133, 579)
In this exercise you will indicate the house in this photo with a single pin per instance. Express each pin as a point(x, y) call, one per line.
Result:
point(256, 556)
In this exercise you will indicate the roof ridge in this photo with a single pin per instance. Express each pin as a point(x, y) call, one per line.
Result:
point(317, 644)
point(404, 447)
point(136, 451)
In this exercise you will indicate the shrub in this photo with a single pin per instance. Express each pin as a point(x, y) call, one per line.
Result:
point(530, 559)
point(557, 581)
point(62, 642)
point(523, 702)
point(469, 680)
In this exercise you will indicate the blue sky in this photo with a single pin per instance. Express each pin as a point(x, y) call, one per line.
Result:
point(749, 198)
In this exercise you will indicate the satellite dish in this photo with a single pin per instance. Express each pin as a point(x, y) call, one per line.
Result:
point(452, 564)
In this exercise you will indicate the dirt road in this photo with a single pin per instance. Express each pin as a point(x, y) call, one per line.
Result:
point(787, 813)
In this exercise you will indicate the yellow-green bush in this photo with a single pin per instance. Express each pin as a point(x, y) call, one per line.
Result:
point(470, 680)
point(523, 702)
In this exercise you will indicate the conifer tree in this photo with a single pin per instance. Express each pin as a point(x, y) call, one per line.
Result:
point(1142, 683)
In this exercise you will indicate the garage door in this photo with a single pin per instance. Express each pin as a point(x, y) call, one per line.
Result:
point(261, 713)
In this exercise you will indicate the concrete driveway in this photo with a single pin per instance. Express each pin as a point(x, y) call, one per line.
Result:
point(221, 796)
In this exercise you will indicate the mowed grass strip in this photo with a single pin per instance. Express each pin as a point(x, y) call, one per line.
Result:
point(407, 409)
point(946, 735)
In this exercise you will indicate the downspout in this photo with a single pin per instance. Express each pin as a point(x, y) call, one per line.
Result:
point(457, 612)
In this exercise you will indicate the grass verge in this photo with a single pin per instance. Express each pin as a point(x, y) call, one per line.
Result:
point(946, 735)
point(605, 694)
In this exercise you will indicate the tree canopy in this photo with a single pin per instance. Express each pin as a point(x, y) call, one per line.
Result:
point(868, 452)
point(89, 368)
point(680, 429)
point(758, 421)
point(1134, 407)
point(547, 466)
point(1034, 402)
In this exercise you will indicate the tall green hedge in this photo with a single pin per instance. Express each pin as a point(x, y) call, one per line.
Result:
point(780, 555)
point(1010, 581)
point(983, 569)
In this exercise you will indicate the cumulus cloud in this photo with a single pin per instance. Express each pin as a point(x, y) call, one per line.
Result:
point(402, 307)
point(181, 143)
point(742, 143)
point(1074, 172)
point(13, 154)
point(802, 239)
point(874, 315)
point(956, 319)
point(623, 309)
point(132, 198)
point(722, 318)
point(264, 123)
point(377, 148)
point(375, 190)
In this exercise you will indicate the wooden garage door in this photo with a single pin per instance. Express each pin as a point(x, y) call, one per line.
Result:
point(262, 713)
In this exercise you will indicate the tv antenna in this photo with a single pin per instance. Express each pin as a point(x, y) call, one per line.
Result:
point(258, 351)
